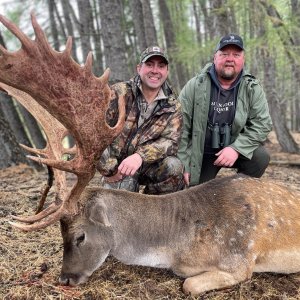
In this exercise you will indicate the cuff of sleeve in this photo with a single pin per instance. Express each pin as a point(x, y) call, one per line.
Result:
point(109, 168)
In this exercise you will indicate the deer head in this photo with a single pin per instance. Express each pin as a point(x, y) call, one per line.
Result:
point(65, 98)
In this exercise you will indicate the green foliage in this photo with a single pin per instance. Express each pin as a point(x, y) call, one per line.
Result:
point(279, 34)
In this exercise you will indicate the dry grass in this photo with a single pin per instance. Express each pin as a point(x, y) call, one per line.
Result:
point(30, 262)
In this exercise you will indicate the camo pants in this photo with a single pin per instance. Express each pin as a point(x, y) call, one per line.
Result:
point(163, 177)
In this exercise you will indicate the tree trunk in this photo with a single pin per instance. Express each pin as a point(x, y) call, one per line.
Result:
point(277, 110)
point(284, 137)
point(138, 22)
point(84, 8)
point(33, 128)
point(10, 151)
point(113, 39)
point(197, 22)
point(220, 18)
point(169, 33)
point(232, 21)
point(12, 117)
point(95, 34)
point(67, 12)
point(295, 11)
point(209, 30)
point(252, 21)
point(54, 32)
point(150, 31)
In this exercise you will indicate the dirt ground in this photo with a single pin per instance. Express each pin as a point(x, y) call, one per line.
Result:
point(30, 262)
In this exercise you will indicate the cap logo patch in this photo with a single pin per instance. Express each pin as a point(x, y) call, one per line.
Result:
point(153, 51)
point(156, 49)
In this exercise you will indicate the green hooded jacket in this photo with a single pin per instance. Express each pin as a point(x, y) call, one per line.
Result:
point(251, 125)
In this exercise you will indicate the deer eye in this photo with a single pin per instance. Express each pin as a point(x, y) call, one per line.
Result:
point(80, 239)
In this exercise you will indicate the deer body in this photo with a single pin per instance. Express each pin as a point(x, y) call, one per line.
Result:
point(215, 235)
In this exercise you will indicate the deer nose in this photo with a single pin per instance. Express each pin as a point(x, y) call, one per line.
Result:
point(73, 279)
point(63, 280)
point(69, 279)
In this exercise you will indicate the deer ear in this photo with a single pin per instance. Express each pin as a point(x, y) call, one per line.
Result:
point(97, 213)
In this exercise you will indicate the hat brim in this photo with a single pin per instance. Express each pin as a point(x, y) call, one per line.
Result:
point(227, 44)
point(154, 54)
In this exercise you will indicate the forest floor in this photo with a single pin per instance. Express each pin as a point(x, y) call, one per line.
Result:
point(30, 262)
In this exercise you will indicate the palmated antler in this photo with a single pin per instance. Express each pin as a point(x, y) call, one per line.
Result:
point(69, 98)
point(55, 133)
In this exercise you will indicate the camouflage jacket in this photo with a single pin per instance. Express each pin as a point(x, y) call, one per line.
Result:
point(155, 139)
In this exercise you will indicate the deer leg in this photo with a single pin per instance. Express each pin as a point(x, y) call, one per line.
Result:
point(212, 280)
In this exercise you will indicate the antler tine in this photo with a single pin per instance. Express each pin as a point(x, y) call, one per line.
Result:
point(41, 38)
point(44, 152)
point(3, 50)
point(89, 62)
point(44, 213)
point(34, 150)
point(39, 33)
point(24, 39)
point(68, 49)
point(52, 218)
point(119, 126)
point(57, 164)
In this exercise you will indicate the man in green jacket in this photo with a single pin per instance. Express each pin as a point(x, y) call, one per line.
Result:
point(225, 117)
point(145, 151)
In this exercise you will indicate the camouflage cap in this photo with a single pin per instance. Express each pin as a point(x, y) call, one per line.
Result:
point(153, 51)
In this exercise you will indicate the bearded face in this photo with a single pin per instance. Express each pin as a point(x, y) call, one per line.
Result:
point(229, 61)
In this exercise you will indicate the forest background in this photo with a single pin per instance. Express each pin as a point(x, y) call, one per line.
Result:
point(116, 31)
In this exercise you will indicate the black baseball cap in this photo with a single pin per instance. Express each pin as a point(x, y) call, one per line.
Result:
point(230, 39)
point(153, 51)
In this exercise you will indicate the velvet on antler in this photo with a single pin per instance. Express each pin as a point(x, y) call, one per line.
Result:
point(65, 98)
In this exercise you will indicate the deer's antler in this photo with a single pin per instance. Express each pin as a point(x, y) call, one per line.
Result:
point(63, 96)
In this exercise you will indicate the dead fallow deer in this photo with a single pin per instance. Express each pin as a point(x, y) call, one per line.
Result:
point(215, 235)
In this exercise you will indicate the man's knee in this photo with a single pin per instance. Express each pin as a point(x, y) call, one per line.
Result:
point(172, 165)
point(257, 165)
point(168, 177)
point(128, 183)
point(261, 158)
